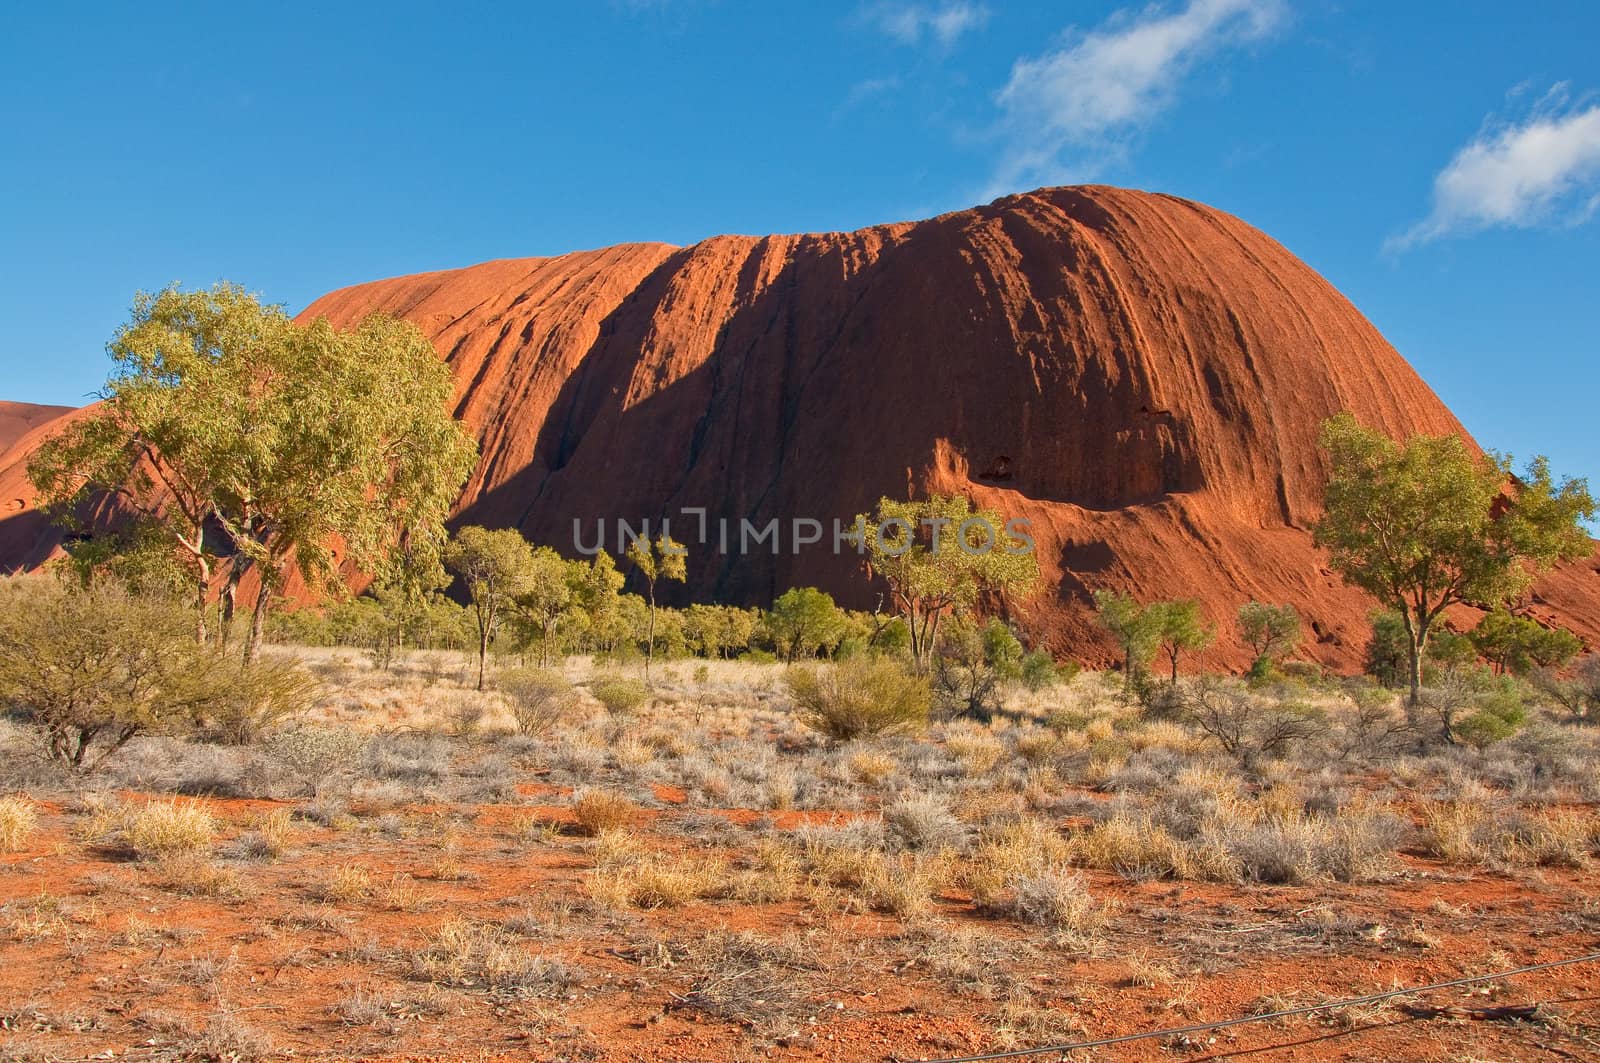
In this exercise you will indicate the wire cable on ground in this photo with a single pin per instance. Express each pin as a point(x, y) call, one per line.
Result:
point(1178, 1031)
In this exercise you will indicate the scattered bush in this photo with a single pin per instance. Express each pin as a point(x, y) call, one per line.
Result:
point(539, 699)
point(1246, 724)
point(621, 695)
point(96, 666)
point(257, 698)
point(599, 811)
point(860, 697)
point(924, 822)
point(164, 830)
point(316, 757)
point(472, 954)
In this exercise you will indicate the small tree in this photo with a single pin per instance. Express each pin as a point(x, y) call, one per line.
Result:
point(1271, 631)
point(939, 556)
point(553, 583)
point(494, 567)
point(96, 666)
point(1182, 628)
point(1427, 524)
point(226, 423)
point(803, 619)
point(1518, 644)
point(1136, 628)
point(163, 440)
point(665, 559)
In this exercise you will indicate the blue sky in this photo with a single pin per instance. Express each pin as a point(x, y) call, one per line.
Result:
point(1439, 162)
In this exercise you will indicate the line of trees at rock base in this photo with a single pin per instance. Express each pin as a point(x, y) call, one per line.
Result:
point(235, 440)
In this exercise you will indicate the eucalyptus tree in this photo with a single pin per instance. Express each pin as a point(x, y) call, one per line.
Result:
point(1427, 524)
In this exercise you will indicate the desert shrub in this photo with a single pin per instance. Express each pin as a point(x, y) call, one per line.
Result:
point(1356, 845)
point(1038, 670)
point(1053, 897)
point(539, 699)
point(1577, 694)
point(860, 697)
point(1470, 704)
point(164, 830)
point(977, 750)
point(315, 757)
point(1136, 847)
point(1247, 724)
point(871, 768)
point(96, 666)
point(599, 811)
point(657, 880)
point(271, 836)
point(970, 664)
point(924, 822)
point(621, 695)
point(257, 697)
point(17, 821)
point(467, 953)
point(1374, 724)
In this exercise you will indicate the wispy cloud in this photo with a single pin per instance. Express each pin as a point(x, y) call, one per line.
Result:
point(1543, 170)
point(1071, 110)
point(910, 23)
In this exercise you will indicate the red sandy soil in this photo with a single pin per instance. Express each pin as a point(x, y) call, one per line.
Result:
point(1142, 377)
point(286, 958)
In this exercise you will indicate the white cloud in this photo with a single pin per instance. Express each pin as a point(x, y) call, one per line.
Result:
point(1544, 170)
point(912, 23)
point(1086, 98)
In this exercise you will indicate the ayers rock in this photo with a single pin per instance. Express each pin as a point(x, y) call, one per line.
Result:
point(1140, 376)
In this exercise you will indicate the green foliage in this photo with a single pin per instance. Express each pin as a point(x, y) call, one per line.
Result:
point(1137, 629)
point(251, 699)
point(223, 413)
point(1039, 671)
point(1451, 649)
point(549, 597)
point(621, 695)
point(95, 666)
point(859, 698)
point(1387, 655)
point(539, 699)
point(494, 567)
point(1002, 650)
point(802, 621)
point(664, 559)
point(933, 569)
point(1271, 631)
point(1470, 703)
point(1519, 644)
point(1181, 627)
point(719, 630)
point(1427, 524)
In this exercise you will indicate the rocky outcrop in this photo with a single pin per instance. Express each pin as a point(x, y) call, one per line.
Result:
point(1139, 376)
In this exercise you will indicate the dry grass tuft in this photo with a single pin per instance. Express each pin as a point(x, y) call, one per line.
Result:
point(18, 820)
point(467, 953)
point(599, 811)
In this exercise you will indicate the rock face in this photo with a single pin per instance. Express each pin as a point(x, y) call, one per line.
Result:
point(17, 419)
point(1139, 376)
point(26, 538)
